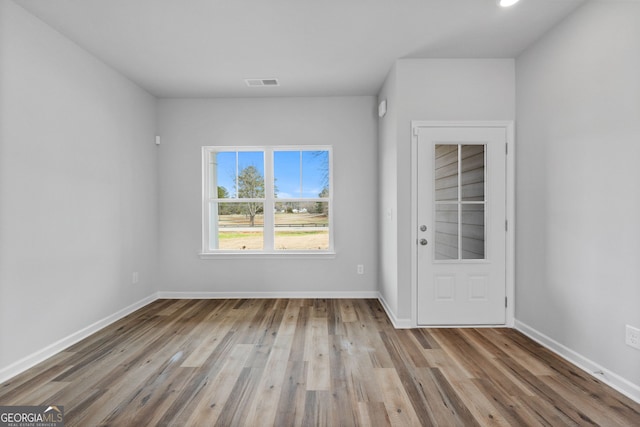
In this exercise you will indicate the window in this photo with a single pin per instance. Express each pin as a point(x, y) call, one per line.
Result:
point(273, 200)
point(460, 201)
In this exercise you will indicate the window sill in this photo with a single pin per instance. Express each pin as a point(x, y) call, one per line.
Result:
point(269, 255)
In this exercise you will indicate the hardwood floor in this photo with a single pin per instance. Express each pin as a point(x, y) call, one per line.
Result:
point(309, 362)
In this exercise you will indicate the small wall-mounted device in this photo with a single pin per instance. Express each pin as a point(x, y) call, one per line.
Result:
point(157, 140)
point(382, 108)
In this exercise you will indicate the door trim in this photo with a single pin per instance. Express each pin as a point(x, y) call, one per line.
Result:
point(508, 125)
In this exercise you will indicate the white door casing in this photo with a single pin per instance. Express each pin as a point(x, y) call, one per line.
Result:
point(461, 250)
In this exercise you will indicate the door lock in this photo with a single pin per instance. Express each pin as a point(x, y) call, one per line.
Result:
point(423, 228)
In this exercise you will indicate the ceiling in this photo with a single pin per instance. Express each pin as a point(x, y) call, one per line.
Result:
point(206, 48)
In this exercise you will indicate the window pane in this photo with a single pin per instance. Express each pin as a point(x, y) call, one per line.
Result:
point(315, 174)
point(223, 175)
point(446, 231)
point(472, 169)
point(301, 174)
point(240, 226)
point(472, 231)
point(286, 171)
point(250, 175)
point(446, 170)
point(302, 226)
point(237, 174)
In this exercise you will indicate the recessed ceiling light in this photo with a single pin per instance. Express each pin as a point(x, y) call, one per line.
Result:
point(261, 82)
point(507, 3)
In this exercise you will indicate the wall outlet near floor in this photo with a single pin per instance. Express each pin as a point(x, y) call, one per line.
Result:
point(632, 337)
point(360, 269)
point(135, 277)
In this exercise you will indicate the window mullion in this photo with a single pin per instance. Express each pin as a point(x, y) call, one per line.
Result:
point(212, 208)
point(206, 195)
point(300, 160)
point(269, 204)
point(459, 201)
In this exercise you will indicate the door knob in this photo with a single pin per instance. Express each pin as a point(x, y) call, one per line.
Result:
point(423, 242)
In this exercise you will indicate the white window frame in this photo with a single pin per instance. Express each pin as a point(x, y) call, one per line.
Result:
point(268, 207)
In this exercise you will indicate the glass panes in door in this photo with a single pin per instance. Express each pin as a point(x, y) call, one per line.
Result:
point(460, 202)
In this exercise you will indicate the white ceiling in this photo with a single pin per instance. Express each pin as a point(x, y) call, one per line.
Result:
point(206, 48)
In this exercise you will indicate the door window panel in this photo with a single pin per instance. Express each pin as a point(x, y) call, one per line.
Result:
point(460, 190)
point(446, 231)
point(472, 172)
point(472, 231)
point(446, 172)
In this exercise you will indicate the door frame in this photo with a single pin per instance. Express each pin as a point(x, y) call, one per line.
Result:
point(508, 125)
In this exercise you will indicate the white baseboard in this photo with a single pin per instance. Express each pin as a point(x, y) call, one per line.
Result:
point(43, 354)
point(397, 323)
point(603, 374)
point(268, 295)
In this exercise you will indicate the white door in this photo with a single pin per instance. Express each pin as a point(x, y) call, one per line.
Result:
point(461, 225)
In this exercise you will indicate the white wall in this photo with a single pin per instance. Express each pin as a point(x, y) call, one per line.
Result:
point(436, 89)
point(388, 201)
point(79, 209)
point(578, 184)
point(77, 187)
point(348, 124)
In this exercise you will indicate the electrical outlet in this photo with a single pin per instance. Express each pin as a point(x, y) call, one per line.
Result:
point(360, 269)
point(135, 277)
point(632, 338)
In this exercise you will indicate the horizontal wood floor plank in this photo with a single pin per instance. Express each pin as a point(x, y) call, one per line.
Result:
point(310, 362)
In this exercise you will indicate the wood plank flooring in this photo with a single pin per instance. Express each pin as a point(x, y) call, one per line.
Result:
point(318, 362)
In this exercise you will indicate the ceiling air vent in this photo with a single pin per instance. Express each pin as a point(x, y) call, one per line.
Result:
point(261, 82)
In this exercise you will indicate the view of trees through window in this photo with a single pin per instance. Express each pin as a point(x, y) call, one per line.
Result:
point(294, 207)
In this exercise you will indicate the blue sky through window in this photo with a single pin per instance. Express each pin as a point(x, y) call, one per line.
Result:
point(231, 163)
point(299, 174)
